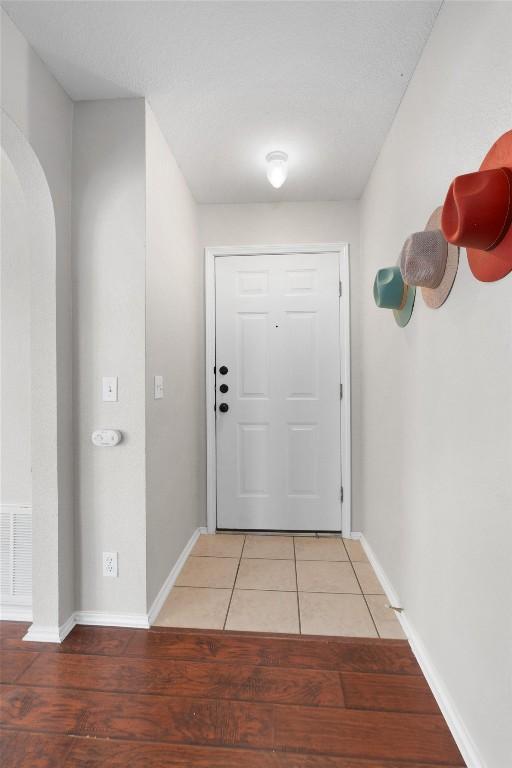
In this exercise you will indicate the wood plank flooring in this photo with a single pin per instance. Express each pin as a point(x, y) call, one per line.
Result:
point(165, 698)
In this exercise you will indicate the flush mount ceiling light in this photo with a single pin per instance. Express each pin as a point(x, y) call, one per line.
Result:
point(277, 168)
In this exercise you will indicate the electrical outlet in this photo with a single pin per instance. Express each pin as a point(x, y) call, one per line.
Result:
point(110, 564)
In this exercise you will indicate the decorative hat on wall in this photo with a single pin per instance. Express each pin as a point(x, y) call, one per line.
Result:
point(477, 213)
point(429, 262)
point(390, 292)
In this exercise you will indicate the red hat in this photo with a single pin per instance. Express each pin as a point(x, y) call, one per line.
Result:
point(477, 213)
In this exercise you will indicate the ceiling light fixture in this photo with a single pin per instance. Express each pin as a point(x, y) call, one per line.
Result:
point(277, 168)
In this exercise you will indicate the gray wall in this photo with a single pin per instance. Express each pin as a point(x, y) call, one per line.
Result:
point(287, 223)
point(109, 199)
point(40, 111)
point(16, 396)
point(175, 432)
point(437, 396)
point(138, 312)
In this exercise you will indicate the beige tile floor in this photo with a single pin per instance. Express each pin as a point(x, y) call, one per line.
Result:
point(317, 585)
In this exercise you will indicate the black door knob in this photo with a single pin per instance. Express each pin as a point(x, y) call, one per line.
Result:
point(224, 388)
point(223, 370)
point(223, 407)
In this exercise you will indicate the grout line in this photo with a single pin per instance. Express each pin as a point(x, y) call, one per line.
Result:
point(316, 560)
point(198, 586)
point(288, 559)
point(344, 547)
point(269, 559)
point(297, 585)
point(318, 592)
point(214, 557)
point(234, 582)
point(266, 589)
point(286, 591)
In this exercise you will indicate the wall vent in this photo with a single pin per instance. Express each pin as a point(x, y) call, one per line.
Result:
point(16, 554)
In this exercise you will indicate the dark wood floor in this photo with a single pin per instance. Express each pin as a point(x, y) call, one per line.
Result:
point(136, 698)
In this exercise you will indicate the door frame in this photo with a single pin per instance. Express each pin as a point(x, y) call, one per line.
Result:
point(211, 253)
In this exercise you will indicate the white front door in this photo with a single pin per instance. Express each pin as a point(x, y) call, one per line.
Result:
point(278, 392)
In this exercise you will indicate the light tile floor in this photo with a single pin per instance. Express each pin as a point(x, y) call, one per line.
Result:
point(316, 585)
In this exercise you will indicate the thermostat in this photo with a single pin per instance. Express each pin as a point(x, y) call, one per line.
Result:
point(106, 438)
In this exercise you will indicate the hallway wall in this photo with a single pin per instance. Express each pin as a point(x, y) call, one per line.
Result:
point(285, 223)
point(138, 313)
point(175, 431)
point(437, 399)
point(109, 253)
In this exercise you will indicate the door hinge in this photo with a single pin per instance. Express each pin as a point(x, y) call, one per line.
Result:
point(340, 289)
point(341, 391)
point(341, 493)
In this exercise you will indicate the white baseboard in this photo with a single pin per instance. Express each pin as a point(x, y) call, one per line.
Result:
point(10, 612)
point(41, 633)
point(354, 535)
point(388, 588)
point(107, 619)
point(49, 634)
point(453, 719)
point(173, 575)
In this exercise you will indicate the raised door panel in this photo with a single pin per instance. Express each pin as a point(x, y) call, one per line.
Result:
point(253, 354)
point(302, 455)
point(253, 453)
point(300, 353)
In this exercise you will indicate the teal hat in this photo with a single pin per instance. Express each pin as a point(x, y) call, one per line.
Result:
point(390, 292)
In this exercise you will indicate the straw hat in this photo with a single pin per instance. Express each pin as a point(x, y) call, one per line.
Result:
point(477, 213)
point(390, 292)
point(429, 262)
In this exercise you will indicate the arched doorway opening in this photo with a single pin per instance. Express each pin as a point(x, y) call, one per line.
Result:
point(15, 410)
point(41, 237)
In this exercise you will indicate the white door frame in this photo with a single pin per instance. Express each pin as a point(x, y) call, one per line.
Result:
point(345, 432)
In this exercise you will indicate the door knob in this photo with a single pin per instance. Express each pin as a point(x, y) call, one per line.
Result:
point(223, 370)
point(223, 407)
point(224, 388)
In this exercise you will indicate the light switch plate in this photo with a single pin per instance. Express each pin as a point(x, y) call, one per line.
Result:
point(109, 389)
point(159, 387)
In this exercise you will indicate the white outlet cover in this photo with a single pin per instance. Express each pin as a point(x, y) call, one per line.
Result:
point(110, 565)
point(109, 389)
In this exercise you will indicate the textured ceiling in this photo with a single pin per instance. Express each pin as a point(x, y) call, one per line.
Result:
point(229, 81)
